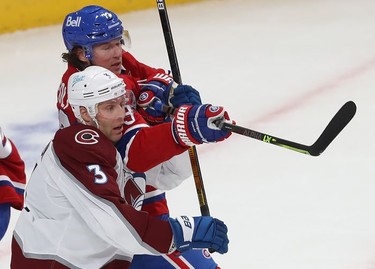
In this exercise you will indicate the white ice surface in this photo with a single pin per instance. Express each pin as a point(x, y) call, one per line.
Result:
point(279, 67)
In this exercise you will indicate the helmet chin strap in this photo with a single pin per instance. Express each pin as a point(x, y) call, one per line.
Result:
point(96, 122)
point(92, 117)
point(96, 113)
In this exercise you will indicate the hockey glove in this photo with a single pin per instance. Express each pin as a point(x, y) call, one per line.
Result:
point(193, 125)
point(161, 88)
point(200, 232)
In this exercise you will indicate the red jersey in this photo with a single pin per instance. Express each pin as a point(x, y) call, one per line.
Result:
point(155, 202)
point(12, 176)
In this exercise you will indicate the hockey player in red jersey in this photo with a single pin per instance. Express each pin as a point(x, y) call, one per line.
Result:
point(94, 36)
point(75, 213)
point(12, 181)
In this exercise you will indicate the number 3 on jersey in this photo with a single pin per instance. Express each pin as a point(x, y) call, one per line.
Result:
point(100, 177)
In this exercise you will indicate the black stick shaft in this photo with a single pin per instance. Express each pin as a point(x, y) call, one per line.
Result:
point(162, 8)
point(169, 41)
point(334, 127)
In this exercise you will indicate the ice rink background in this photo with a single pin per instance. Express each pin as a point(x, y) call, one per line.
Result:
point(279, 67)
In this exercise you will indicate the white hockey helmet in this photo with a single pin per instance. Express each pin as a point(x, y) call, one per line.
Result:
point(92, 86)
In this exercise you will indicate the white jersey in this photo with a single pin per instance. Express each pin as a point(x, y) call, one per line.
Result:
point(75, 212)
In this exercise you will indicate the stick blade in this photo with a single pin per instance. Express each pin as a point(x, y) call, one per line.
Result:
point(334, 127)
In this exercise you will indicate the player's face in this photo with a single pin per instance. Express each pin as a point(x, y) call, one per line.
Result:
point(108, 55)
point(110, 116)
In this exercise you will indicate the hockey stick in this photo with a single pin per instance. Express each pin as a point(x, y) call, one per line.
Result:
point(334, 127)
point(162, 8)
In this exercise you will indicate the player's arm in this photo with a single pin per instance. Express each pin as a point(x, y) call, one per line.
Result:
point(170, 173)
point(94, 163)
point(12, 181)
point(12, 174)
point(99, 201)
point(145, 148)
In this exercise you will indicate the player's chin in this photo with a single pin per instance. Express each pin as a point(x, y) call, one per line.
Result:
point(115, 137)
point(116, 68)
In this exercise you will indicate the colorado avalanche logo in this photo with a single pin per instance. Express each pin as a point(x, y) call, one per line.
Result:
point(86, 137)
point(134, 189)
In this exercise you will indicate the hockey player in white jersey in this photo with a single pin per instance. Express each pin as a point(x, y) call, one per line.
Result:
point(94, 35)
point(76, 215)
